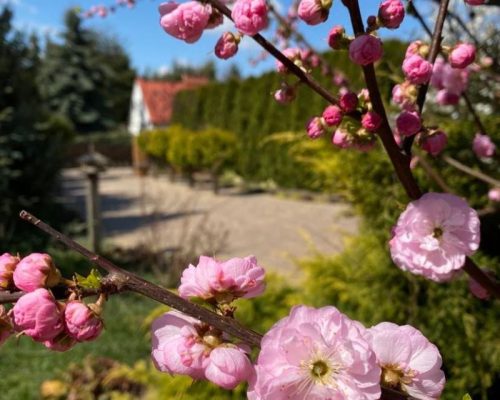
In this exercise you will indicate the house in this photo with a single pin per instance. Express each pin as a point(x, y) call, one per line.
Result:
point(151, 106)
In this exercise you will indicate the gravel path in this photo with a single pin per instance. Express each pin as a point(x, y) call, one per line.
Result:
point(165, 215)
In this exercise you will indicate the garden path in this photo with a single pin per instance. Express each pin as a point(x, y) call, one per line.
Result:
point(165, 215)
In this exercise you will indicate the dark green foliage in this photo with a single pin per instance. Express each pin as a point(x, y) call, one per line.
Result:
point(31, 140)
point(87, 78)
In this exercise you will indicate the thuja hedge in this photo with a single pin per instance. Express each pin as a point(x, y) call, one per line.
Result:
point(247, 107)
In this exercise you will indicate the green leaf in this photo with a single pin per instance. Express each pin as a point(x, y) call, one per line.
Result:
point(93, 281)
point(467, 397)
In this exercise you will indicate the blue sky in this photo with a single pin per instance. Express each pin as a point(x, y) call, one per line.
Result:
point(151, 49)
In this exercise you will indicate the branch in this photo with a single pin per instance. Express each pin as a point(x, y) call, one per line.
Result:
point(61, 292)
point(472, 172)
point(125, 280)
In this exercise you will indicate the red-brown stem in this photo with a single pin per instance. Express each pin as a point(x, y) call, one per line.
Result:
point(472, 172)
point(125, 280)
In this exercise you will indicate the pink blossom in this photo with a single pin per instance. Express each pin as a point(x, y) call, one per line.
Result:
point(434, 235)
point(405, 95)
point(184, 21)
point(433, 142)
point(474, 2)
point(182, 345)
point(418, 48)
point(494, 194)
point(438, 71)
point(250, 16)
point(5, 325)
point(38, 315)
point(227, 46)
point(315, 127)
point(361, 140)
point(336, 37)
point(315, 354)
point(223, 281)
point(371, 121)
point(447, 98)
point(294, 54)
point(36, 271)
point(483, 146)
point(348, 101)
point(417, 70)
point(285, 94)
point(341, 138)
point(82, 322)
point(408, 123)
point(228, 367)
point(391, 13)
point(462, 55)
point(455, 80)
point(409, 362)
point(314, 12)
point(365, 49)
point(8, 264)
point(333, 115)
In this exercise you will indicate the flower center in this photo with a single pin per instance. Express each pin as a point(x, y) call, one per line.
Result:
point(393, 376)
point(437, 232)
point(319, 369)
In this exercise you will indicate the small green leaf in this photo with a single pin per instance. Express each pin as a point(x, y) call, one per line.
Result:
point(467, 397)
point(93, 281)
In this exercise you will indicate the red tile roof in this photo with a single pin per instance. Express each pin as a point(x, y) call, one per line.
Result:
point(159, 96)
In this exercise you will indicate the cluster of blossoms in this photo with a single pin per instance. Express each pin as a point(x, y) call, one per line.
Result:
point(103, 11)
point(311, 354)
point(37, 314)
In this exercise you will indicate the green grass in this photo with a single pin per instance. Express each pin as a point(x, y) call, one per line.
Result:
point(25, 365)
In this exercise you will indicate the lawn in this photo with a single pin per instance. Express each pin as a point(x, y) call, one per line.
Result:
point(25, 365)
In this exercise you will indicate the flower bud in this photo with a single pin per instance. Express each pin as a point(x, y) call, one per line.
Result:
point(62, 342)
point(228, 366)
point(333, 115)
point(391, 13)
point(38, 315)
point(36, 271)
point(371, 121)
point(494, 195)
point(185, 21)
point(417, 70)
point(293, 54)
point(478, 290)
point(408, 123)
point(5, 325)
point(8, 264)
point(315, 127)
point(483, 146)
point(227, 46)
point(418, 48)
point(82, 323)
point(434, 142)
point(336, 38)
point(250, 16)
point(348, 101)
point(474, 2)
point(462, 55)
point(405, 95)
point(447, 98)
point(285, 94)
point(365, 49)
point(314, 12)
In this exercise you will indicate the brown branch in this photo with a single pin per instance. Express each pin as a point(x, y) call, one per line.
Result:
point(433, 174)
point(60, 292)
point(125, 280)
point(472, 172)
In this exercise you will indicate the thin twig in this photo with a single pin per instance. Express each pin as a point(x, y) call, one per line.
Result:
point(472, 172)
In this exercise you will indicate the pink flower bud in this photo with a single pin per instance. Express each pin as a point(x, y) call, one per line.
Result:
point(250, 16)
point(434, 142)
point(61, 342)
point(82, 323)
point(494, 195)
point(5, 325)
point(391, 13)
point(227, 46)
point(285, 94)
point(333, 115)
point(315, 127)
point(408, 123)
point(418, 48)
point(405, 95)
point(36, 271)
point(314, 12)
point(348, 101)
point(462, 55)
point(184, 21)
point(417, 70)
point(371, 121)
point(341, 138)
point(8, 264)
point(447, 98)
point(38, 315)
point(228, 367)
point(365, 49)
point(474, 2)
point(483, 146)
point(336, 37)
point(478, 290)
